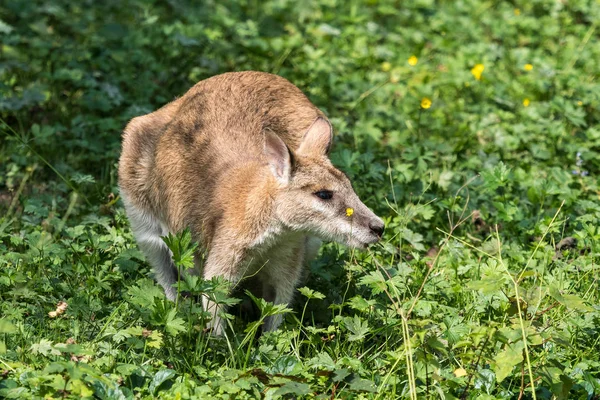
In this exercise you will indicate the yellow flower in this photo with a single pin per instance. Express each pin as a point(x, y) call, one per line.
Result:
point(477, 70)
point(413, 60)
point(426, 103)
point(526, 102)
point(386, 66)
point(517, 12)
point(580, 103)
point(349, 211)
point(528, 67)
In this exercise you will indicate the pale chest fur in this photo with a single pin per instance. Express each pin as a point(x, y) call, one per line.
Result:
point(274, 251)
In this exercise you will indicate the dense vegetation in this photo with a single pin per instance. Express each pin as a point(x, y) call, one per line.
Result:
point(471, 127)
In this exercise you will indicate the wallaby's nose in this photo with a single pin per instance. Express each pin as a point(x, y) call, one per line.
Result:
point(377, 228)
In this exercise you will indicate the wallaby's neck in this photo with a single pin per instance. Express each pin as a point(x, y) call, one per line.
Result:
point(247, 191)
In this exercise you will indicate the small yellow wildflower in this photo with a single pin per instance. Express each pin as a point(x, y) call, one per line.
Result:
point(528, 67)
point(413, 60)
point(477, 70)
point(386, 66)
point(580, 103)
point(526, 102)
point(349, 211)
point(460, 372)
point(517, 12)
point(426, 103)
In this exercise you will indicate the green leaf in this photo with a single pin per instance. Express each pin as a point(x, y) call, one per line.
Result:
point(506, 360)
point(6, 326)
point(445, 179)
point(44, 347)
point(5, 28)
point(570, 301)
point(311, 294)
point(296, 388)
point(159, 378)
point(490, 284)
point(375, 281)
point(362, 385)
point(361, 304)
point(415, 239)
point(340, 374)
point(144, 293)
point(357, 326)
point(174, 325)
point(182, 248)
point(322, 361)
point(82, 178)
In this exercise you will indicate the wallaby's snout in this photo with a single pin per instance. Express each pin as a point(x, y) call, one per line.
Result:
point(367, 228)
point(377, 227)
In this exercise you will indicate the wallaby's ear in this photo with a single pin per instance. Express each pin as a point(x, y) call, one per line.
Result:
point(317, 139)
point(278, 156)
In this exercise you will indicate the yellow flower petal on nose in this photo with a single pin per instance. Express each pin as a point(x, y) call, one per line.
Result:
point(426, 103)
point(349, 211)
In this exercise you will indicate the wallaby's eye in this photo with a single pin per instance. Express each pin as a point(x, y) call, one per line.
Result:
point(324, 194)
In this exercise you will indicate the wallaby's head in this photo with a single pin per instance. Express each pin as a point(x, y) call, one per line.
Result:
point(313, 196)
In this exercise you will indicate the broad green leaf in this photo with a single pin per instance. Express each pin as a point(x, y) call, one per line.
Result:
point(159, 378)
point(174, 325)
point(357, 326)
point(322, 360)
point(489, 284)
point(295, 388)
point(362, 385)
point(44, 347)
point(7, 326)
point(506, 360)
point(311, 294)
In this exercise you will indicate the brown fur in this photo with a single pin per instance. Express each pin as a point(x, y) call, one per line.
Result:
point(238, 159)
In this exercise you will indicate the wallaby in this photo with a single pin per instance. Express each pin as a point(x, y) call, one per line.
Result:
point(242, 160)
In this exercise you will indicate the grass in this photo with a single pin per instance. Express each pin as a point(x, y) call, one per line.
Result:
point(471, 127)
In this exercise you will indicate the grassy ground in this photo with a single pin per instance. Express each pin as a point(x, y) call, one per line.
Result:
point(471, 127)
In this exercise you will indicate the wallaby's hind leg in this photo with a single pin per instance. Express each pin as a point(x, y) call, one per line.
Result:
point(148, 230)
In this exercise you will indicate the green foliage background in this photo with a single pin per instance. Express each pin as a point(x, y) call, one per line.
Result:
point(485, 285)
